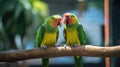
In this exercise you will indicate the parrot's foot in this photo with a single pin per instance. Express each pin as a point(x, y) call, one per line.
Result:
point(75, 45)
point(45, 47)
point(65, 46)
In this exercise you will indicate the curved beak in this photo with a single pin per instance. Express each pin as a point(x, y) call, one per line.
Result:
point(59, 21)
point(66, 17)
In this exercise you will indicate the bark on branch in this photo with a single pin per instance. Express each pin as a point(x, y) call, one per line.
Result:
point(87, 50)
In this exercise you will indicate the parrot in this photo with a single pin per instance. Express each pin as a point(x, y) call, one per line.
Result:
point(47, 35)
point(74, 34)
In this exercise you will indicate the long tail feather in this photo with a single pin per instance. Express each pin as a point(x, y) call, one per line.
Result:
point(45, 62)
point(78, 61)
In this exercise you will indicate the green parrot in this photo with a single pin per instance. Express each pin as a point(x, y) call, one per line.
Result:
point(74, 35)
point(47, 35)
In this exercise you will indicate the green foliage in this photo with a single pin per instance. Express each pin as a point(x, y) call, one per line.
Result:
point(19, 15)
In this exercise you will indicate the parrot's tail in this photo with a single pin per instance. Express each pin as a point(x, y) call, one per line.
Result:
point(78, 61)
point(45, 62)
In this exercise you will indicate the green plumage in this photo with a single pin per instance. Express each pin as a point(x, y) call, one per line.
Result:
point(39, 36)
point(47, 35)
point(82, 39)
point(74, 34)
point(81, 35)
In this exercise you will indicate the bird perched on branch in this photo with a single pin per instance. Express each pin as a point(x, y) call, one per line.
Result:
point(74, 35)
point(47, 35)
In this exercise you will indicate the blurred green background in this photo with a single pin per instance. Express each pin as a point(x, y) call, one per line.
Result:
point(20, 19)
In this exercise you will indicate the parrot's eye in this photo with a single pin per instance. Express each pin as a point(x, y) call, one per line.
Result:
point(55, 19)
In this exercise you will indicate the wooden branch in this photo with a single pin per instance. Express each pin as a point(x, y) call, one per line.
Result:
point(87, 50)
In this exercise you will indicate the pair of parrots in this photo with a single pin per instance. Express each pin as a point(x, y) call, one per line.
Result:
point(74, 34)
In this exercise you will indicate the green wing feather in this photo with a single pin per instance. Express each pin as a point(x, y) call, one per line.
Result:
point(81, 34)
point(82, 39)
point(40, 35)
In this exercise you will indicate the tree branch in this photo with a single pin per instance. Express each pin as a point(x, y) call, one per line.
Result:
point(87, 50)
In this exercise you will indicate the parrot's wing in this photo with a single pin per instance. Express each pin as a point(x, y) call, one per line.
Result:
point(81, 35)
point(40, 35)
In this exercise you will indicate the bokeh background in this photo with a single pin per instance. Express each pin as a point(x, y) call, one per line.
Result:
point(19, 20)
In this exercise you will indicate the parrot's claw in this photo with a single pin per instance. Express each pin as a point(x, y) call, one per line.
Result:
point(45, 47)
point(75, 45)
point(65, 45)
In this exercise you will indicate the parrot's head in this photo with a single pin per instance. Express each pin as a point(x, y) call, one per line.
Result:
point(54, 21)
point(70, 19)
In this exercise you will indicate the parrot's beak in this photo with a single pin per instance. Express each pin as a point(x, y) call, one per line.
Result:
point(66, 15)
point(66, 21)
point(59, 21)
